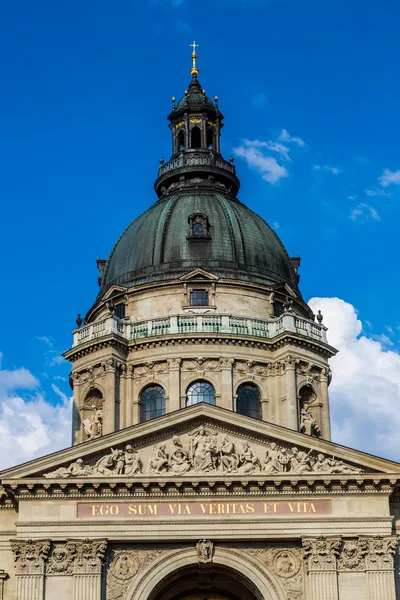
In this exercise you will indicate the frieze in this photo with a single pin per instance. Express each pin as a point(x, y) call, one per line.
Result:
point(30, 556)
point(203, 451)
point(61, 561)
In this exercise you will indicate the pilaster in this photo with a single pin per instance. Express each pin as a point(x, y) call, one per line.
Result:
point(226, 382)
point(325, 420)
point(87, 568)
point(321, 556)
point(379, 565)
point(291, 393)
point(3, 577)
point(109, 402)
point(174, 365)
point(30, 557)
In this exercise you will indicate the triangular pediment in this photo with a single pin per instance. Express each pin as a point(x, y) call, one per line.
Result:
point(201, 441)
point(199, 275)
point(114, 290)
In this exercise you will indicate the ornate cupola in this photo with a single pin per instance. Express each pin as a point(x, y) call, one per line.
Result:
point(196, 123)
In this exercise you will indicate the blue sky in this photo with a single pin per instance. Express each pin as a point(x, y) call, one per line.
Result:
point(310, 93)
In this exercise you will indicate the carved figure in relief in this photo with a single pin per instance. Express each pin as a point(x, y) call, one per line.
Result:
point(132, 462)
point(179, 460)
point(228, 455)
point(204, 551)
point(248, 461)
point(94, 424)
point(106, 464)
point(285, 564)
point(300, 461)
point(325, 464)
point(273, 456)
point(308, 424)
point(159, 460)
point(75, 469)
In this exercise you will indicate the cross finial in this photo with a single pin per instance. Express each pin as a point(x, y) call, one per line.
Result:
point(194, 70)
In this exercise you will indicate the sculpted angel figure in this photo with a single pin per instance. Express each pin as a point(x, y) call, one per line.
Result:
point(228, 455)
point(132, 461)
point(179, 460)
point(248, 461)
point(159, 460)
point(75, 469)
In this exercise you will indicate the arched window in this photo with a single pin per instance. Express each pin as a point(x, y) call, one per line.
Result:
point(181, 140)
point(248, 401)
point(210, 138)
point(152, 403)
point(200, 391)
point(195, 138)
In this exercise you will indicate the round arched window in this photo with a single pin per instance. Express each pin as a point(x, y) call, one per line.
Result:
point(248, 401)
point(152, 403)
point(200, 391)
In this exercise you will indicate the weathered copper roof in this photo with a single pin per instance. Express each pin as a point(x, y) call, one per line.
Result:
point(155, 246)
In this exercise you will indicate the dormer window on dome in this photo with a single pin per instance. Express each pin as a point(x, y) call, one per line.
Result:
point(199, 227)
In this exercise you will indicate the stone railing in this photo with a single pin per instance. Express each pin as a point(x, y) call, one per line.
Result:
point(209, 159)
point(194, 323)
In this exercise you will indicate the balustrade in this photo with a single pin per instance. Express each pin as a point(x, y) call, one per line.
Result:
point(200, 323)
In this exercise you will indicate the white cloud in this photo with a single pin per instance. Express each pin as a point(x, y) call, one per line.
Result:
point(363, 210)
point(373, 193)
point(390, 178)
point(365, 388)
point(286, 137)
point(327, 168)
point(29, 425)
point(267, 165)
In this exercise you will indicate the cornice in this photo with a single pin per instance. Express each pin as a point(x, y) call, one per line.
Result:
point(281, 340)
point(199, 487)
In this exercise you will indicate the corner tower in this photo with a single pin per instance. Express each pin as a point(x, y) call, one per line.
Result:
point(199, 302)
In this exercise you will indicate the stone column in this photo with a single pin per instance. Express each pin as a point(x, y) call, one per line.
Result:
point(30, 558)
point(291, 394)
point(380, 568)
point(226, 382)
point(123, 384)
point(174, 378)
point(87, 567)
point(109, 401)
point(321, 556)
point(325, 420)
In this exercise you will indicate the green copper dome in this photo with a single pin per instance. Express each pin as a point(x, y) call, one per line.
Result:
point(158, 246)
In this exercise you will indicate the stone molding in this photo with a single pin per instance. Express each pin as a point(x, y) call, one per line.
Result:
point(30, 556)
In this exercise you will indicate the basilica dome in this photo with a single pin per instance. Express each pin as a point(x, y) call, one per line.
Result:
point(163, 244)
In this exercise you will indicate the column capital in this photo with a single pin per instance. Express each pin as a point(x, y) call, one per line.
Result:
point(174, 364)
point(30, 556)
point(226, 362)
point(88, 555)
point(380, 553)
point(321, 552)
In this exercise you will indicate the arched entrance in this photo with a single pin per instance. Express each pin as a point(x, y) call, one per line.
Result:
point(231, 575)
point(205, 582)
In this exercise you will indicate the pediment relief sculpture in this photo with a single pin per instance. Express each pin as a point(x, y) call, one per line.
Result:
point(202, 451)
